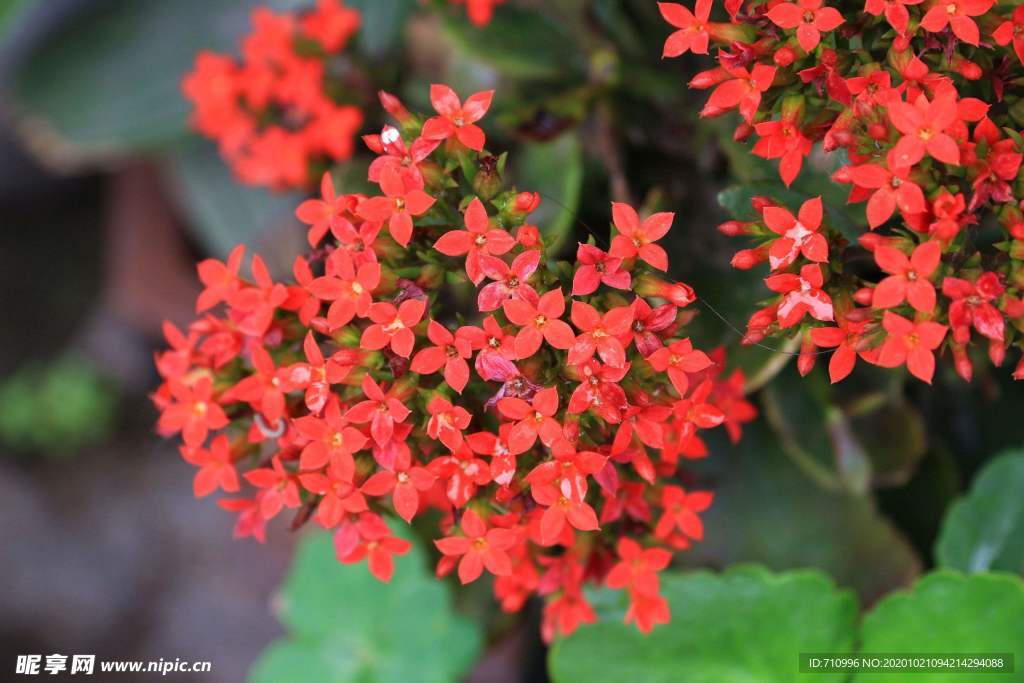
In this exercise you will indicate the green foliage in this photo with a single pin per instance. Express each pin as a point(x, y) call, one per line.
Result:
point(768, 510)
point(519, 42)
point(383, 23)
point(222, 211)
point(749, 625)
point(56, 408)
point(345, 626)
point(111, 84)
point(984, 530)
point(947, 612)
point(742, 625)
point(557, 167)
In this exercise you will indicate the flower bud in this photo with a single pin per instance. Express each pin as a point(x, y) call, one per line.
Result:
point(734, 228)
point(863, 296)
point(487, 180)
point(962, 362)
point(526, 202)
point(745, 259)
point(709, 78)
point(394, 106)
point(529, 237)
point(784, 56)
point(805, 361)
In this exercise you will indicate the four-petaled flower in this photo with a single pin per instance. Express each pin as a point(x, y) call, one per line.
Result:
point(912, 343)
point(679, 359)
point(692, 35)
point(457, 120)
point(478, 239)
point(538, 321)
point(809, 19)
point(393, 326)
point(636, 239)
point(479, 547)
point(909, 278)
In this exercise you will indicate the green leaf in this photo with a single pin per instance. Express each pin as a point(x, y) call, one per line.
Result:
point(947, 612)
point(985, 529)
point(345, 626)
point(224, 213)
point(383, 24)
point(520, 43)
point(110, 83)
point(743, 625)
point(768, 510)
point(555, 169)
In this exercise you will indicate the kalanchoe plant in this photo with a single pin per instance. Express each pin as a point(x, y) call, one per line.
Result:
point(913, 97)
point(432, 355)
point(286, 107)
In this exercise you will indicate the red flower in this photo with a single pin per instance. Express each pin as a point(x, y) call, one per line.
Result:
point(461, 474)
point(561, 508)
point(957, 15)
point(340, 495)
point(327, 214)
point(220, 280)
point(636, 239)
point(912, 343)
point(972, 305)
point(477, 239)
point(1012, 30)
point(847, 341)
point(256, 305)
point(693, 28)
point(783, 140)
point(809, 19)
point(798, 237)
point(193, 412)
point(743, 90)
point(533, 419)
point(908, 278)
point(348, 288)
point(405, 485)
point(382, 410)
point(679, 359)
point(395, 155)
point(402, 202)
point(647, 322)
point(680, 513)
point(594, 267)
point(457, 120)
point(216, 468)
point(393, 326)
point(331, 440)
point(895, 12)
point(450, 352)
point(923, 125)
point(539, 321)
point(600, 334)
point(316, 375)
point(479, 11)
point(599, 390)
point(479, 547)
point(264, 390)
point(371, 538)
point(509, 281)
point(447, 422)
point(638, 567)
point(802, 294)
point(279, 488)
point(892, 189)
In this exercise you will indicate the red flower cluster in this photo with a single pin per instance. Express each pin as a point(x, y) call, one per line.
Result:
point(910, 93)
point(431, 359)
point(281, 114)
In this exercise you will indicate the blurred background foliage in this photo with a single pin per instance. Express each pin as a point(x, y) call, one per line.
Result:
point(108, 200)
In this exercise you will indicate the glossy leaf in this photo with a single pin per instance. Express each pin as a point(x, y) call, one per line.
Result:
point(347, 627)
point(984, 530)
point(742, 625)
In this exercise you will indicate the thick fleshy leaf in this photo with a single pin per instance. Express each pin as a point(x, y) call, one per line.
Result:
point(345, 626)
point(742, 625)
point(948, 612)
point(984, 530)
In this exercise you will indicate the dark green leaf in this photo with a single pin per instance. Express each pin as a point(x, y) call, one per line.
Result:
point(111, 83)
point(521, 43)
point(985, 529)
point(555, 169)
point(383, 24)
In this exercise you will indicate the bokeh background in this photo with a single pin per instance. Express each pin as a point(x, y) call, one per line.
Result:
point(107, 201)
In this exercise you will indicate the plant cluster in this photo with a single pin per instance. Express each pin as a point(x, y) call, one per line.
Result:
point(432, 355)
point(916, 100)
